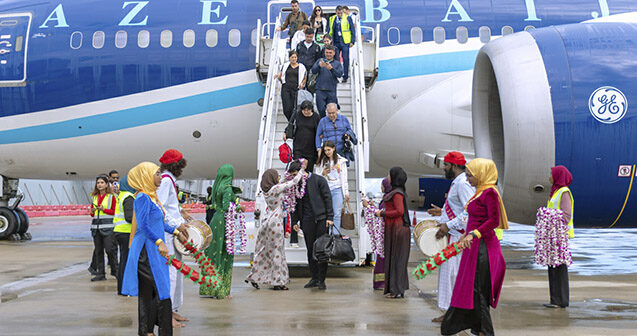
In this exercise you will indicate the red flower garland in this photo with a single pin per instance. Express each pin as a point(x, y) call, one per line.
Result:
point(430, 265)
point(209, 279)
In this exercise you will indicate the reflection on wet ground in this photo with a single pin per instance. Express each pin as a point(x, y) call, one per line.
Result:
point(594, 251)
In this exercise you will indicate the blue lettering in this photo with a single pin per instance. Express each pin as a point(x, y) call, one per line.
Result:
point(59, 17)
point(464, 17)
point(127, 20)
point(370, 10)
point(530, 11)
point(207, 11)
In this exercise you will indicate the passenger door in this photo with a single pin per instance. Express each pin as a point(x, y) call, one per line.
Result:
point(14, 36)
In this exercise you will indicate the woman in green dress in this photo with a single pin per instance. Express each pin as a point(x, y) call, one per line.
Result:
point(222, 195)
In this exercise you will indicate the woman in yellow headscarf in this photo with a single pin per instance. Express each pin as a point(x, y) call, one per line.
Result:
point(146, 271)
point(482, 266)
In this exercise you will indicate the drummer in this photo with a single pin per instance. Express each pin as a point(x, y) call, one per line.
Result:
point(172, 165)
point(451, 223)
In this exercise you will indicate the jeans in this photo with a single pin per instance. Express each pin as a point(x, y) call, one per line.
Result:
point(337, 205)
point(344, 51)
point(324, 97)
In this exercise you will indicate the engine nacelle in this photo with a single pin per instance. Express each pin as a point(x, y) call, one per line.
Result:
point(561, 95)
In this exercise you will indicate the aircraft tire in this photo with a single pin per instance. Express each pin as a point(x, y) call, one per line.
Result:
point(9, 223)
point(24, 221)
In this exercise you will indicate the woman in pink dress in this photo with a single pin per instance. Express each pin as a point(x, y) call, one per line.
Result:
point(482, 265)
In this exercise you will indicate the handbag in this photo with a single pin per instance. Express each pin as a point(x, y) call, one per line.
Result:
point(333, 248)
point(347, 218)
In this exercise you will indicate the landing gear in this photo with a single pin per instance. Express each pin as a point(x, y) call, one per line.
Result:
point(14, 222)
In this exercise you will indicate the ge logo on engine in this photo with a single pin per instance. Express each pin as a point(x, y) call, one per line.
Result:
point(608, 105)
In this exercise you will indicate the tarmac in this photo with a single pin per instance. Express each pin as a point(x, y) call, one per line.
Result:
point(45, 289)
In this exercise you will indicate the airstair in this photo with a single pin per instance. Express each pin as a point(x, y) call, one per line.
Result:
point(271, 55)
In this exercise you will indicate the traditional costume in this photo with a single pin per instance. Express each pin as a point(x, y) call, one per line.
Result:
point(167, 195)
point(269, 266)
point(459, 193)
point(146, 271)
point(482, 265)
point(222, 195)
point(397, 235)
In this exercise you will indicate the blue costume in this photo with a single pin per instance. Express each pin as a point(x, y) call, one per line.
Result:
point(150, 227)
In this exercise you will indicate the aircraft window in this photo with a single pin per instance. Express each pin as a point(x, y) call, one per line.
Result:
point(76, 40)
point(211, 38)
point(462, 35)
point(98, 39)
point(189, 38)
point(527, 28)
point(507, 30)
point(143, 39)
point(18, 43)
point(416, 35)
point(120, 39)
point(439, 35)
point(166, 38)
point(234, 37)
point(485, 34)
point(396, 40)
point(253, 37)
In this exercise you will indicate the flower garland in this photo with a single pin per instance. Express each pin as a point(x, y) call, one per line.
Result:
point(551, 238)
point(430, 265)
point(375, 228)
point(210, 278)
point(231, 230)
point(294, 193)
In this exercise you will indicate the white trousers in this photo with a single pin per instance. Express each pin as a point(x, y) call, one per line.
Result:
point(176, 278)
point(447, 277)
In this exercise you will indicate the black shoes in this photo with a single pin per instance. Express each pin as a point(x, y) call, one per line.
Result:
point(553, 306)
point(99, 278)
point(312, 283)
point(92, 271)
point(321, 285)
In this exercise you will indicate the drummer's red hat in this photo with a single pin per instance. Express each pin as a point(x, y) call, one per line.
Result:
point(455, 158)
point(171, 156)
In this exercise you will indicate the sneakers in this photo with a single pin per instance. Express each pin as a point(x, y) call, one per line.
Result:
point(294, 245)
point(98, 278)
point(312, 283)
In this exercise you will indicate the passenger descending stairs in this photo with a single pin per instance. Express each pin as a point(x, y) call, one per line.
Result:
point(351, 98)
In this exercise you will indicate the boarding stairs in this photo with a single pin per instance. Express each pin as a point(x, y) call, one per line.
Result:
point(352, 101)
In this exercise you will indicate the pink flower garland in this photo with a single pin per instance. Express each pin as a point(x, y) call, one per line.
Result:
point(551, 238)
point(375, 228)
point(231, 230)
point(294, 193)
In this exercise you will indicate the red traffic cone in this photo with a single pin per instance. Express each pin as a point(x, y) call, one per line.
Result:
point(414, 221)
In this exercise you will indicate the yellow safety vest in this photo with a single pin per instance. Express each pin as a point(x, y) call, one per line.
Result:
point(209, 206)
point(345, 29)
point(121, 225)
point(555, 203)
point(104, 221)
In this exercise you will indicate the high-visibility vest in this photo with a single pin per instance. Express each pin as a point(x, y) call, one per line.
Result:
point(555, 203)
point(345, 29)
point(121, 225)
point(209, 206)
point(101, 220)
point(180, 197)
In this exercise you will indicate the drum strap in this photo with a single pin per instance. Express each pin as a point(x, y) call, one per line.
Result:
point(171, 180)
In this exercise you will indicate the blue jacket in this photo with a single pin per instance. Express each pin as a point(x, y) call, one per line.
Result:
point(150, 227)
point(336, 27)
point(327, 79)
point(327, 130)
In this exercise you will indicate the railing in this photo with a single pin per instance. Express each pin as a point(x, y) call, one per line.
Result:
point(268, 114)
point(359, 109)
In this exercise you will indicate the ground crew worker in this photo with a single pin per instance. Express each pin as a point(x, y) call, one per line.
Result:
point(343, 32)
point(122, 221)
point(102, 211)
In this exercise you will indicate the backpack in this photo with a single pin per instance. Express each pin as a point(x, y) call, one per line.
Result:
point(285, 153)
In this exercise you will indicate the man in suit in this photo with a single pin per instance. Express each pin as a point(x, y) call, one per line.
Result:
point(315, 213)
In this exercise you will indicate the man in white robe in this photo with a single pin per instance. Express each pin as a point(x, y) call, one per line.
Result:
point(452, 224)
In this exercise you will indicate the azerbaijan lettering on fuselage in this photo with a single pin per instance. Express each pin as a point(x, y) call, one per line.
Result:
point(375, 11)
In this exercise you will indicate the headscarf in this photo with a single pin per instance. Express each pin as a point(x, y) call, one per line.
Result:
point(487, 174)
point(142, 179)
point(223, 180)
point(561, 178)
point(269, 179)
point(398, 179)
point(124, 186)
point(387, 186)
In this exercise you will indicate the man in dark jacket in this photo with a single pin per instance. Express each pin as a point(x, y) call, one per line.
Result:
point(302, 128)
point(328, 70)
point(315, 213)
point(308, 51)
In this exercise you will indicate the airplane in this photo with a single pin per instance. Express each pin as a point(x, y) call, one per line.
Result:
point(86, 85)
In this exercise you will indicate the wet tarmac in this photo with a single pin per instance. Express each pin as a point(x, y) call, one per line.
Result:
point(45, 288)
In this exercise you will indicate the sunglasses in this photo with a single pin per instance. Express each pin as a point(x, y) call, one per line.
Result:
point(317, 10)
